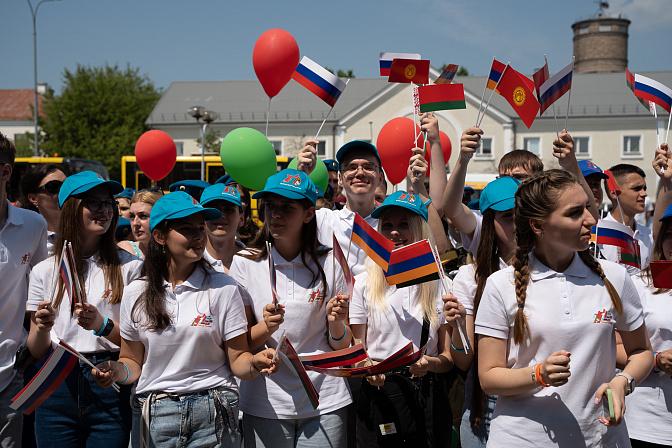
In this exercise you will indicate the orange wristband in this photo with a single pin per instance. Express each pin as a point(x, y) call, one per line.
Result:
point(540, 378)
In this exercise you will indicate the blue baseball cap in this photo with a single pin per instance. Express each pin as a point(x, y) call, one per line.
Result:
point(332, 164)
point(357, 144)
point(319, 192)
point(179, 204)
point(192, 187)
point(225, 179)
point(408, 201)
point(668, 213)
point(127, 193)
point(588, 168)
point(468, 190)
point(84, 181)
point(123, 229)
point(499, 194)
point(291, 184)
point(473, 204)
point(221, 192)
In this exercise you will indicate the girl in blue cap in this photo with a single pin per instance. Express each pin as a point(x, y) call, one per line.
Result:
point(385, 318)
point(183, 332)
point(277, 410)
point(80, 413)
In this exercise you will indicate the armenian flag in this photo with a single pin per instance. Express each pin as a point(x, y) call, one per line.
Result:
point(387, 58)
point(376, 246)
point(286, 347)
point(515, 88)
point(409, 70)
point(327, 86)
point(496, 72)
point(556, 86)
point(651, 90)
point(441, 97)
point(344, 357)
point(411, 265)
point(447, 75)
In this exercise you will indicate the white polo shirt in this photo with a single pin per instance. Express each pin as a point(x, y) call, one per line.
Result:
point(464, 285)
point(648, 412)
point(471, 244)
point(568, 310)
point(188, 355)
point(65, 326)
point(281, 396)
point(216, 264)
point(339, 222)
point(389, 330)
point(22, 245)
point(644, 237)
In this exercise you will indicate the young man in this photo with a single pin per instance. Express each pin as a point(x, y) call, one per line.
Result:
point(594, 176)
point(632, 182)
point(23, 244)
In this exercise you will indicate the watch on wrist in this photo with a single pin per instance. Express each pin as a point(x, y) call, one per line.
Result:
point(108, 328)
point(631, 382)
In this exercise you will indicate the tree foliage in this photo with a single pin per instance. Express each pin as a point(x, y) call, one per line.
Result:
point(342, 73)
point(213, 141)
point(99, 115)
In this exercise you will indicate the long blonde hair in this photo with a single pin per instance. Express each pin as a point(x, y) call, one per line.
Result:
point(378, 285)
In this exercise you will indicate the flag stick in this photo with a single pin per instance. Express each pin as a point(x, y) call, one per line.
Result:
point(483, 94)
point(328, 113)
point(557, 134)
point(668, 127)
point(275, 355)
point(655, 114)
point(620, 210)
point(76, 287)
point(83, 359)
point(478, 124)
point(54, 278)
point(569, 96)
point(268, 115)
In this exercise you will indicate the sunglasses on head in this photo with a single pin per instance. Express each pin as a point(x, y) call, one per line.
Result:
point(51, 187)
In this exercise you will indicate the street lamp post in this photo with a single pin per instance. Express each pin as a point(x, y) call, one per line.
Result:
point(208, 116)
point(33, 12)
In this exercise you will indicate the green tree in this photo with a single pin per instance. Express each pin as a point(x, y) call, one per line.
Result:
point(213, 141)
point(342, 73)
point(99, 115)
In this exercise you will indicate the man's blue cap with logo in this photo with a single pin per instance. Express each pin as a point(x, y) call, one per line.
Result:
point(408, 201)
point(332, 164)
point(587, 168)
point(357, 144)
point(499, 194)
point(84, 181)
point(176, 205)
point(290, 184)
point(220, 192)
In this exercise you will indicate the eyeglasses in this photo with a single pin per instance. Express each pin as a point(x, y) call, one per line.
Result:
point(96, 205)
point(51, 187)
point(368, 168)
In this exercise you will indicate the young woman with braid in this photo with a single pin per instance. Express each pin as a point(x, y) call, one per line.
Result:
point(556, 303)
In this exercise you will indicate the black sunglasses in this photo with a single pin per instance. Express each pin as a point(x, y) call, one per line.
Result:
point(51, 187)
point(96, 204)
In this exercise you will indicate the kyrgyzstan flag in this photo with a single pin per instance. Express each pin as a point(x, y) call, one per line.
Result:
point(519, 94)
point(409, 70)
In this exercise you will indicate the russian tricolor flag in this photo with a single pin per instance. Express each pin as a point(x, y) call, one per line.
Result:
point(327, 86)
point(556, 86)
point(651, 90)
point(387, 58)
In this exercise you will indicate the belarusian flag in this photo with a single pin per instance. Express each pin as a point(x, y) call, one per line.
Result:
point(441, 97)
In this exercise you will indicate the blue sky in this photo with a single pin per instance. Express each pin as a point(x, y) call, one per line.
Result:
point(207, 40)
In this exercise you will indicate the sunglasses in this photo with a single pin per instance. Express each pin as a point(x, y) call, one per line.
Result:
point(51, 187)
point(96, 205)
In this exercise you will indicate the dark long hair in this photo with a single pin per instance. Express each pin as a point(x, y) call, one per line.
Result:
point(30, 182)
point(70, 229)
point(310, 245)
point(657, 255)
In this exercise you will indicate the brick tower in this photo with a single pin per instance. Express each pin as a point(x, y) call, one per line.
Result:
point(601, 44)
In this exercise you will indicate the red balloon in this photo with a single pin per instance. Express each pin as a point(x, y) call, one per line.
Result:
point(155, 153)
point(446, 147)
point(396, 141)
point(275, 57)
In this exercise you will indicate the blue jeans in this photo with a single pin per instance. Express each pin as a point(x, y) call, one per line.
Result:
point(82, 414)
point(475, 437)
point(323, 431)
point(187, 420)
point(11, 421)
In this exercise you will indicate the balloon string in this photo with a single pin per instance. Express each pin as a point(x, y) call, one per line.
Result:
point(268, 114)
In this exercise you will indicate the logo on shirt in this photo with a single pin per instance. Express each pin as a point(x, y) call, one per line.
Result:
point(107, 294)
point(315, 296)
point(603, 317)
point(26, 258)
point(202, 321)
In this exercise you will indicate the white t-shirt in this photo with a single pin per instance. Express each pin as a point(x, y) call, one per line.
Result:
point(22, 246)
point(389, 330)
point(281, 396)
point(65, 326)
point(464, 285)
point(471, 244)
point(568, 310)
point(188, 355)
point(644, 237)
point(216, 264)
point(339, 222)
point(648, 412)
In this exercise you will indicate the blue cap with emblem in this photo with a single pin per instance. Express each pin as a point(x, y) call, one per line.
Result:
point(179, 204)
point(291, 184)
point(499, 194)
point(222, 193)
point(587, 168)
point(408, 201)
point(84, 181)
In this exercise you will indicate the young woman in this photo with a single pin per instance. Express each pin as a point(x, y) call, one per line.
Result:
point(277, 410)
point(183, 330)
point(140, 209)
point(80, 413)
point(385, 318)
point(556, 303)
point(39, 192)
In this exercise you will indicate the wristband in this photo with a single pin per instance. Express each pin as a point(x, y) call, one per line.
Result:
point(534, 378)
point(100, 331)
point(128, 373)
point(251, 367)
point(655, 363)
point(455, 348)
point(344, 333)
point(539, 377)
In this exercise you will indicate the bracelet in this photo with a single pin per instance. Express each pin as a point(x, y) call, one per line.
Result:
point(344, 333)
point(539, 377)
point(128, 373)
point(100, 331)
point(534, 378)
point(455, 348)
point(251, 367)
point(655, 363)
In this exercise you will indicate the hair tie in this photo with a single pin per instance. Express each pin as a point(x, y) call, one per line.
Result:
point(521, 305)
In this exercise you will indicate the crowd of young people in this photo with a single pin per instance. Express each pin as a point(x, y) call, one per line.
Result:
point(186, 321)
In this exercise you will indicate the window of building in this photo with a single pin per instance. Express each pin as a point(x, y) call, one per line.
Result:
point(180, 148)
point(632, 146)
point(322, 148)
point(604, 28)
point(582, 147)
point(277, 147)
point(532, 144)
point(584, 30)
point(485, 150)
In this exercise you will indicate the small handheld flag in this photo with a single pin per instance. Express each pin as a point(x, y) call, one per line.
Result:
point(540, 77)
point(339, 257)
point(411, 265)
point(375, 245)
point(447, 75)
point(651, 90)
point(661, 272)
point(387, 58)
point(441, 97)
point(630, 81)
point(555, 87)
point(612, 184)
point(519, 95)
point(286, 348)
point(271, 272)
point(616, 234)
point(409, 70)
point(327, 86)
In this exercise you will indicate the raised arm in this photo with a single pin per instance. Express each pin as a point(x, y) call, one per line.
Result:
point(306, 159)
point(437, 170)
point(416, 172)
point(662, 160)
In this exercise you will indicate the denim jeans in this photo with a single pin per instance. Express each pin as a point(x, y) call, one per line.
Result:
point(185, 421)
point(11, 421)
point(323, 431)
point(82, 414)
point(475, 437)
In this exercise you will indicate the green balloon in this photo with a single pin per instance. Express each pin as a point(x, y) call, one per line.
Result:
point(319, 176)
point(248, 157)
